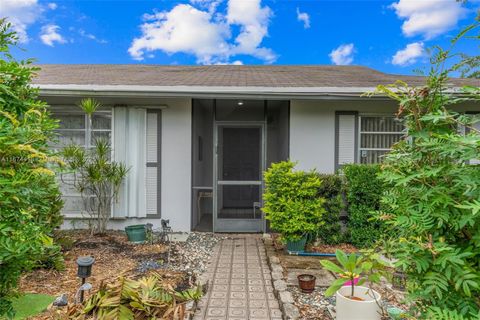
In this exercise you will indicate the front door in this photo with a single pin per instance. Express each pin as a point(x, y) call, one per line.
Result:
point(239, 164)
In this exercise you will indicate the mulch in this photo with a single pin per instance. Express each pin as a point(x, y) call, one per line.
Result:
point(114, 256)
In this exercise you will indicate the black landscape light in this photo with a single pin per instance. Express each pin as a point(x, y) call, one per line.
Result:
point(84, 270)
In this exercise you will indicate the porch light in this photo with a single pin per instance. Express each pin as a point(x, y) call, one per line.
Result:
point(240, 103)
point(84, 271)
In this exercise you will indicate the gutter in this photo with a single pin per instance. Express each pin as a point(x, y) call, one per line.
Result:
point(140, 91)
point(49, 90)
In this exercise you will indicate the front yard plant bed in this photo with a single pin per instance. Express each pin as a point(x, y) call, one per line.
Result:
point(114, 257)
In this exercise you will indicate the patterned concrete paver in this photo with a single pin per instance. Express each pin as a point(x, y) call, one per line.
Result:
point(240, 283)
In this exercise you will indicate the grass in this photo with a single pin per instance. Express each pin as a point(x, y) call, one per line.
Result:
point(31, 304)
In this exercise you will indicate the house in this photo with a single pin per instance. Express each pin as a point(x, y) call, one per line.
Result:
point(197, 138)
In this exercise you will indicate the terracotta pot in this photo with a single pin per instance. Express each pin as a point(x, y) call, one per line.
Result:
point(306, 282)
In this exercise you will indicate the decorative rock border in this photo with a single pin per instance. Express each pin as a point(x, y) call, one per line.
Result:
point(285, 298)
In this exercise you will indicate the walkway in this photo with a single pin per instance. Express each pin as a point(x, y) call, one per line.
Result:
point(241, 286)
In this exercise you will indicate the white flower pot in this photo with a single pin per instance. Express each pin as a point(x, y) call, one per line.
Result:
point(367, 309)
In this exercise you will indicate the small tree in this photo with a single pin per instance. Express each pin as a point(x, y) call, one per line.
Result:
point(96, 177)
point(433, 205)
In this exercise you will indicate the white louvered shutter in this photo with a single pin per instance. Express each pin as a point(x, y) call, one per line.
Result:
point(476, 161)
point(153, 163)
point(346, 139)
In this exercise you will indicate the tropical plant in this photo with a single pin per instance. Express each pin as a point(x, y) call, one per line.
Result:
point(29, 195)
point(95, 176)
point(432, 208)
point(291, 201)
point(145, 298)
point(355, 269)
point(363, 194)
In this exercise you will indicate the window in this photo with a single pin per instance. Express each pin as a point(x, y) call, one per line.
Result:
point(74, 127)
point(377, 136)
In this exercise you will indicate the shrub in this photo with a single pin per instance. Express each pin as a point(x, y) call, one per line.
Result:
point(363, 194)
point(330, 232)
point(433, 207)
point(291, 201)
point(29, 195)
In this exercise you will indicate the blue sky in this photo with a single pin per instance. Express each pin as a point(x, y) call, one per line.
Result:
point(391, 36)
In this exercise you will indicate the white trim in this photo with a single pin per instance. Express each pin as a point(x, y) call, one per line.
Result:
point(205, 91)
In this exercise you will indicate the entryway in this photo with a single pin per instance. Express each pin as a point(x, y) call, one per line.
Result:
point(233, 142)
point(239, 162)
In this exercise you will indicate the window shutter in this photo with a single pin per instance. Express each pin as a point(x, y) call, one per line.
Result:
point(477, 127)
point(345, 144)
point(120, 205)
point(153, 162)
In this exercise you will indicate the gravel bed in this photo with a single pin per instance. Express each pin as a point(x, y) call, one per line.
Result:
point(190, 256)
point(312, 306)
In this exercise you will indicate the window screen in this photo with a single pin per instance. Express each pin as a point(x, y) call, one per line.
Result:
point(377, 136)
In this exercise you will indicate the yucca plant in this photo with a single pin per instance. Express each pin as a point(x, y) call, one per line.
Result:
point(96, 176)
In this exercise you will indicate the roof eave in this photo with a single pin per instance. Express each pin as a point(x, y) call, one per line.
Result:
point(132, 91)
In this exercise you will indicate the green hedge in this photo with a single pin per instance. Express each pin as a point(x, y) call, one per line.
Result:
point(363, 193)
point(331, 190)
point(291, 201)
point(29, 194)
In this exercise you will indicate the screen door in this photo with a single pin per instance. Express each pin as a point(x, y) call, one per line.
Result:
point(239, 165)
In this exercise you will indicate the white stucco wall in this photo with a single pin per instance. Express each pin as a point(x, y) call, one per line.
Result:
point(176, 163)
point(175, 166)
point(312, 129)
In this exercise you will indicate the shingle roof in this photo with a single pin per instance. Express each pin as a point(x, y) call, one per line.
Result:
point(228, 76)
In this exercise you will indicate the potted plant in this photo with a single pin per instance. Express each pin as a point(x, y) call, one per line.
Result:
point(306, 282)
point(292, 204)
point(355, 301)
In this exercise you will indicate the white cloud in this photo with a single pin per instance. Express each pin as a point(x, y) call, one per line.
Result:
point(409, 55)
point(90, 36)
point(428, 18)
point(206, 33)
point(21, 14)
point(253, 20)
point(342, 55)
point(234, 63)
point(52, 5)
point(49, 35)
point(183, 29)
point(211, 5)
point(303, 17)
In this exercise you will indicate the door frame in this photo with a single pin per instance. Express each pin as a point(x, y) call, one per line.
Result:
point(238, 225)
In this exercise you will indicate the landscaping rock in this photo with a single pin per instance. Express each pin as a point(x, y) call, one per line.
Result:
point(274, 260)
point(61, 301)
point(276, 268)
point(291, 312)
point(277, 275)
point(189, 253)
point(285, 297)
point(280, 285)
